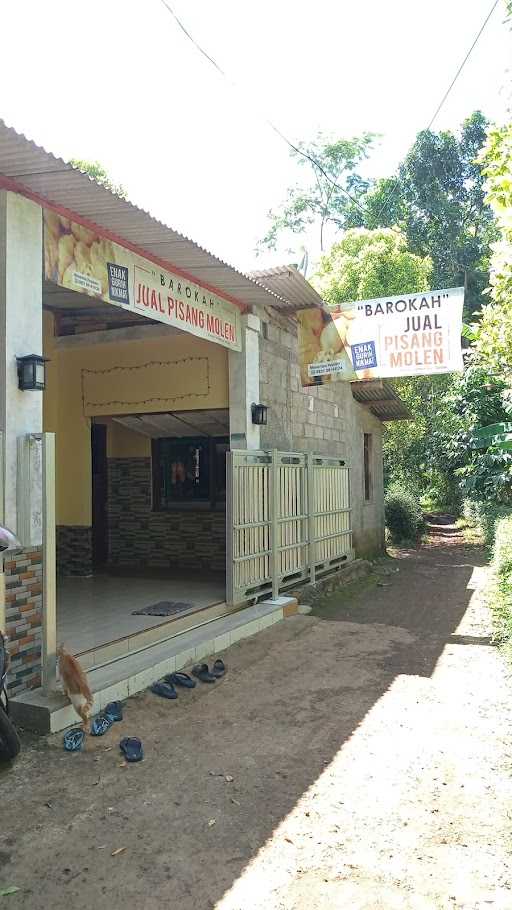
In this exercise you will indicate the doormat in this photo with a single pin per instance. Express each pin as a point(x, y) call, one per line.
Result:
point(164, 608)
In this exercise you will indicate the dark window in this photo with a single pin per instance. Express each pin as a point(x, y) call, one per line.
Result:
point(189, 473)
point(367, 452)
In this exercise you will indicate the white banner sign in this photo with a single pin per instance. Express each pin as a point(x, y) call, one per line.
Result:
point(408, 335)
point(79, 259)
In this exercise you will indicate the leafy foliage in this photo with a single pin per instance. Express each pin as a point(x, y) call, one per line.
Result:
point(404, 518)
point(494, 342)
point(500, 595)
point(366, 264)
point(319, 201)
point(437, 198)
point(483, 515)
point(98, 173)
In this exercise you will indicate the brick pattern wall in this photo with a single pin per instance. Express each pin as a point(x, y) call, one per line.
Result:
point(23, 610)
point(140, 537)
point(74, 550)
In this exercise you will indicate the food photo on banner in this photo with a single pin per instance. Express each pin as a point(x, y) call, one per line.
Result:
point(408, 335)
point(78, 258)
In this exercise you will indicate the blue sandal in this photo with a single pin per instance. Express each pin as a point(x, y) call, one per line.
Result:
point(74, 739)
point(219, 668)
point(114, 710)
point(131, 747)
point(180, 679)
point(101, 724)
point(202, 672)
point(164, 689)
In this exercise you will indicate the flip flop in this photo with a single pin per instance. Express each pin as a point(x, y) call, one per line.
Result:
point(180, 679)
point(101, 724)
point(131, 747)
point(219, 668)
point(164, 689)
point(74, 739)
point(202, 672)
point(114, 710)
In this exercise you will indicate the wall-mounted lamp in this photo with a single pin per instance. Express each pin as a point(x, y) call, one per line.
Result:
point(31, 372)
point(259, 414)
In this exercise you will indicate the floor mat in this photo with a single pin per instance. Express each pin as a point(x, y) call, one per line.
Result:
point(164, 608)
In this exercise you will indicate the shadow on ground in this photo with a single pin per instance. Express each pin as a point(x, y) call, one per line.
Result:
point(224, 765)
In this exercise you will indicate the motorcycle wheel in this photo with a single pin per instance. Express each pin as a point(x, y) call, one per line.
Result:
point(9, 740)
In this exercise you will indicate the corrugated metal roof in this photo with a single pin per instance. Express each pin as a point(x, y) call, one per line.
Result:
point(288, 282)
point(58, 183)
point(381, 399)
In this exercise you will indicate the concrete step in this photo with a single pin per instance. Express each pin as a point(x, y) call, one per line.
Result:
point(133, 672)
point(94, 658)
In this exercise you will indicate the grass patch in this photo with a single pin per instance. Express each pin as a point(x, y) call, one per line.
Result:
point(471, 533)
point(499, 594)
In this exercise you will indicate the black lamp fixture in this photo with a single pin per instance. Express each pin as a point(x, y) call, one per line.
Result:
point(259, 414)
point(31, 372)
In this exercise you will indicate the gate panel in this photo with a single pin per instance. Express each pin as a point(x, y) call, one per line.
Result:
point(288, 519)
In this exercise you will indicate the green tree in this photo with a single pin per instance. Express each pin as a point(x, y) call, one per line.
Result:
point(366, 264)
point(98, 173)
point(494, 343)
point(437, 198)
point(318, 201)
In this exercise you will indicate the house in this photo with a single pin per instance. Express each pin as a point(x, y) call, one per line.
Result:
point(164, 451)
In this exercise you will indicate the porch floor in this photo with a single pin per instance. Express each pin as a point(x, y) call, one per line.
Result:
point(98, 610)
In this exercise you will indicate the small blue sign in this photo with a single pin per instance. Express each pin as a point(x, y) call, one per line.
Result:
point(364, 355)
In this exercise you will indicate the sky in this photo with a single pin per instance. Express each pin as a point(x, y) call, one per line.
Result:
point(117, 81)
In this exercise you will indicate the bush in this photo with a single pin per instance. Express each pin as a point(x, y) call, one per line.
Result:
point(404, 519)
point(500, 595)
point(484, 517)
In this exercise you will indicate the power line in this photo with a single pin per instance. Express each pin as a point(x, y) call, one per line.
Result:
point(272, 125)
point(300, 151)
point(462, 65)
point(445, 96)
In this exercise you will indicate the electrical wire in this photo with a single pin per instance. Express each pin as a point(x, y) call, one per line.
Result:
point(300, 151)
point(269, 122)
point(444, 98)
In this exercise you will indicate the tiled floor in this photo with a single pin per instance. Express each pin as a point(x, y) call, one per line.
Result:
point(97, 610)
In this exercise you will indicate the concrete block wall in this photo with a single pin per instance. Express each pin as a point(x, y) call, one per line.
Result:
point(23, 613)
point(322, 420)
point(140, 537)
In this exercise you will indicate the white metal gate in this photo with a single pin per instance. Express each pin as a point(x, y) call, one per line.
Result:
point(288, 520)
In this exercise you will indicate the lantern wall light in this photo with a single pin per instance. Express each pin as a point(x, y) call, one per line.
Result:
point(31, 372)
point(259, 414)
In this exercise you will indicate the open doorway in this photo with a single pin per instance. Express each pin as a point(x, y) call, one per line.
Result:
point(158, 531)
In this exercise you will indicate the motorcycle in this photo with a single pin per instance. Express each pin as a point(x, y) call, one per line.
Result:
point(9, 740)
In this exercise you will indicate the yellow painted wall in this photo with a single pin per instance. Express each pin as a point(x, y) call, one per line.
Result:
point(124, 443)
point(178, 372)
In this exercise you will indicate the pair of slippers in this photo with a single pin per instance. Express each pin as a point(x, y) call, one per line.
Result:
point(75, 738)
point(131, 746)
point(103, 722)
point(166, 687)
point(203, 673)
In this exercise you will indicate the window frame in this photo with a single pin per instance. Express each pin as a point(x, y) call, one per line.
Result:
point(214, 502)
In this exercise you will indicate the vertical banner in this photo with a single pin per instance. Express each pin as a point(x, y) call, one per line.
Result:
point(408, 335)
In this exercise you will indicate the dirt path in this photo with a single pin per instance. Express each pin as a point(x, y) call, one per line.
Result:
point(357, 758)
